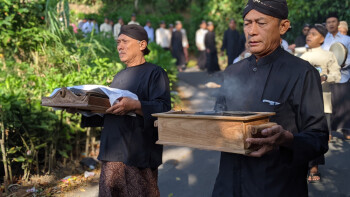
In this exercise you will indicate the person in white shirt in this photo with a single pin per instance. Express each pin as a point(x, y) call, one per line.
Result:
point(326, 63)
point(111, 23)
point(87, 27)
point(150, 31)
point(200, 34)
point(163, 36)
point(106, 28)
point(95, 25)
point(81, 24)
point(133, 20)
point(185, 44)
point(117, 28)
point(334, 36)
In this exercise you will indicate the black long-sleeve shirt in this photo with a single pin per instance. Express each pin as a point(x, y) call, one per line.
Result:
point(209, 41)
point(289, 86)
point(129, 139)
point(232, 43)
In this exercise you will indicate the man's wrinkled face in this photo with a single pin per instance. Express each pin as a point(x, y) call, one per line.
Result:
point(263, 32)
point(314, 39)
point(128, 48)
point(332, 25)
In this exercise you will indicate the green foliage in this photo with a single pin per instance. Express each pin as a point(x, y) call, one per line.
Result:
point(19, 26)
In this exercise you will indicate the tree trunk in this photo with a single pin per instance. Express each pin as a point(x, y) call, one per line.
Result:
point(136, 4)
point(87, 144)
point(46, 159)
point(37, 162)
point(93, 141)
point(50, 159)
point(77, 146)
point(4, 158)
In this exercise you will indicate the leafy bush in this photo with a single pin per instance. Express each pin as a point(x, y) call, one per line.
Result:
point(51, 56)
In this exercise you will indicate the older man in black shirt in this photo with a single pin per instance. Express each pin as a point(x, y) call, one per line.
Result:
point(128, 152)
point(272, 80)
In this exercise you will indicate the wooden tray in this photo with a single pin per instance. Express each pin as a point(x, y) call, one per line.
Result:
point(224, 131)
point(93, 101)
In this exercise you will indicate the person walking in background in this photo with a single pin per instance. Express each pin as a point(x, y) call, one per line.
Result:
point(163, 36)
point(81, 24)
point(106, 28)
point(133, 20)
point(200, 34)
point(150, 31)
point(300, 41)
point(231, 42)
point(326, 63)
point(116, 28)
point(333, 36)
point(177, 49)
point(343, 27)
point(88, 26)
point(171, 28)
point(95, 25)
point(185, 44)
point(111, 23)
point(212, 63)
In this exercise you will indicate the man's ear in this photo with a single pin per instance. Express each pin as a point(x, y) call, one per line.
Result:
point(143, 45)
point(321, 41)
point(284, 26)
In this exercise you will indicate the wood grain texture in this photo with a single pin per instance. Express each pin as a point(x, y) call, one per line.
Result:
point(192, 115)
point(64, 98)
point(210, 133)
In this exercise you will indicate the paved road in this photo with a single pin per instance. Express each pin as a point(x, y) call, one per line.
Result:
point(190, 172)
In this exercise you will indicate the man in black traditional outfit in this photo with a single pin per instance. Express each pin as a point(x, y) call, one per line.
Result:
point(212, 62)
point(272, 80)
point(177, 48)
point(231, 42)
point(128, 152)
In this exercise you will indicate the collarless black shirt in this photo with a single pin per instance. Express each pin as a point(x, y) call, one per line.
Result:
point(289, 86)
point(131, 139)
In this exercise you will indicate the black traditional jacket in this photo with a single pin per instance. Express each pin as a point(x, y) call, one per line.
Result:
point(130, 139)
point(289, 86)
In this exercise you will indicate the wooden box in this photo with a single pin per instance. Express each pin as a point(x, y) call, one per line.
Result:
point(92, 101)
point(220, 131)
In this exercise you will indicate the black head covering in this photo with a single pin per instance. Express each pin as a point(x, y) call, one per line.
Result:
point(321, 29)
point(331, 15)
point(274, 8)
point(137, 32)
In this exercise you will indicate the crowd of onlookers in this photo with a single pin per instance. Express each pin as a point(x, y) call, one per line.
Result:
point(174, 38)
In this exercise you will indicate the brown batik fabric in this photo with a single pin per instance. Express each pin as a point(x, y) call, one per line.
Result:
point(120, 180)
